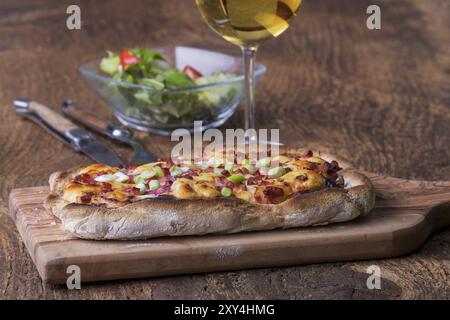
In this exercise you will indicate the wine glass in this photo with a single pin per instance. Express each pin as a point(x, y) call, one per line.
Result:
point(248, 23)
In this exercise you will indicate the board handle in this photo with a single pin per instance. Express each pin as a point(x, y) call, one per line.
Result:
point(439, 215)
point(428, 198)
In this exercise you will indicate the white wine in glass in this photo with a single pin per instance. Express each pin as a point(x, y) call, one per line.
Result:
point(248, 23)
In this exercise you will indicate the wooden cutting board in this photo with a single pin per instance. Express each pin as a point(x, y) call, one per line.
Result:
point(406, 213)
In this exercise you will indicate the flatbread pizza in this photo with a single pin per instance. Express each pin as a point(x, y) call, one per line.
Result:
point(298, 188)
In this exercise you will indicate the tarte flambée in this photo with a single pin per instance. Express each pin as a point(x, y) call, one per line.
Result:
point(157, 199)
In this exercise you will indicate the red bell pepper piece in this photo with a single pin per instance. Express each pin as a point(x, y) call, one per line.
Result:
point(192, 73)
point(128, 58)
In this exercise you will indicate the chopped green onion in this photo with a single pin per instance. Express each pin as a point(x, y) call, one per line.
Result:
point(154, 184)
point(141, 187)
point(159, 173)
point(147, 174)
point(121, 177)
point(139, 180)
point(236, 178)
point(245, 162)
point(226, 192)
point(175, 171)
point(250, 168)
point(265, 162)
point(105, 178)
point(276, 172)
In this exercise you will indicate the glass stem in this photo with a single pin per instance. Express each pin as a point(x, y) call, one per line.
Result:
point(249, 54)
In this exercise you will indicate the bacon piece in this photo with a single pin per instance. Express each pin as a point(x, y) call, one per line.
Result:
point(132, 167)
point(132, 191)
point(244, 171)
point(85, 178)
point(159, 191)
point(334, 166)
point(258, 180)
point(308, 154)
point(188, 174)
point(86, 198)
point(208, 170)
point(220, 182)
point(166, 171)
point(253, 180)
point(264, 182)
point(273, 192)
point(106, 187)
point(167, 180)
point(229, 184)
point(324, 168)
point(165, 189)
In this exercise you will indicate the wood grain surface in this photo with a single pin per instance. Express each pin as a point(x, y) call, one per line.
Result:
point(382, 97)
point(406, 213)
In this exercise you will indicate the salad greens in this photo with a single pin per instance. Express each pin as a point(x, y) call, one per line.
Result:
point(157, 103)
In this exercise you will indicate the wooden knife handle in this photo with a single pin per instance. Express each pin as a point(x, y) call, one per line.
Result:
point(55, 120)
point(85, 116)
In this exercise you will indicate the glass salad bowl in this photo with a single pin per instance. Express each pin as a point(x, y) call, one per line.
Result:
point(154, 107)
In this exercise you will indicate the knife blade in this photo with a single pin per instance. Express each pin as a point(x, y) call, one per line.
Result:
point(80, 140)
point(102, 126)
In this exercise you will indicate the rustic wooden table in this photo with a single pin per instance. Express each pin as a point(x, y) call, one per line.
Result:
point(381, 96)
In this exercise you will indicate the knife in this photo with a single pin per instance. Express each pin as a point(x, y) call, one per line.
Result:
point(102, 126)
point(66, 131)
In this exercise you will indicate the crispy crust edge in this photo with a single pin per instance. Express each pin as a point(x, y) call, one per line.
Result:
point(159, 217)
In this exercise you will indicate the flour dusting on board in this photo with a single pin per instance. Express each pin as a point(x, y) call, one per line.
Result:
point(228, 252)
